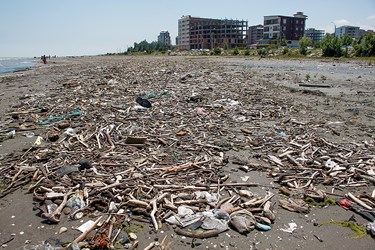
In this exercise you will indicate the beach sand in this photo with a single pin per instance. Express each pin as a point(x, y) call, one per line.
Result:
point(349, 105)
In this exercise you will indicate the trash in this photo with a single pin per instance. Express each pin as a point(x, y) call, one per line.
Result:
point(66, 170)
point(39, 140)
point(76, 112)
point(242, 221)
point(290, 228)
point(262, 227)
point(70, 132)
point(367, 214)
point(282, 134)
point(76, 202)
point(112, 82)
point(207, 220)
point(143, 102)
point(8, 135)
point(85, 226)
point(84, 164)
point(29, 134)
point(161, 93)
point(330, 164)
point(371, 228)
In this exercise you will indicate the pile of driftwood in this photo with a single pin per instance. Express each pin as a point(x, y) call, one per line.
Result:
point(104, 154)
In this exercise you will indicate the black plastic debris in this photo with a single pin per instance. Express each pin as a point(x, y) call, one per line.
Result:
point(143, 102)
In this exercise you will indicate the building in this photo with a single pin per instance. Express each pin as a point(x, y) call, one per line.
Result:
point(314, 34)
point(254, 34)
point(363, 32)
point(277, 28)
point(208, 33)
point(352, 31)
point(164, 37)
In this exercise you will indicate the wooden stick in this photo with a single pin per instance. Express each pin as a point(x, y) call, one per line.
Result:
point(358, 201)
point(152, 215)
point(134, 246)
point(151, 245)
point(52, 216)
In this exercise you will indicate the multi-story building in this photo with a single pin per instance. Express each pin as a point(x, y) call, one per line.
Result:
point(352, 31)
point(277, 28)
point(208, 33)
point(164, 37)
point(254, 34)
point(314, 34)
point(363, 32)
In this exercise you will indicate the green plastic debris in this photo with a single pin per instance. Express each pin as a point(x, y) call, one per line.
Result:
point(76, 112)
point(163, 92)
point(359, 230)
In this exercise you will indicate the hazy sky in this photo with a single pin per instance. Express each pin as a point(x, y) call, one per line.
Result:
point(90, 27)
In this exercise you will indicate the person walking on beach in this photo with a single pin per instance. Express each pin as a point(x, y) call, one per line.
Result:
point(44, 59)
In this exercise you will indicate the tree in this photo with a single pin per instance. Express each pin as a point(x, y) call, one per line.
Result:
point(331, 46)
point(346, 41)
point(304, 42)
point(147, 47)
point(365, 45)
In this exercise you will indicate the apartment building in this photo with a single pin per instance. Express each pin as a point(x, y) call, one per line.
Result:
point(208, 33)
point(254, 34)
point(164, 37)
point(290, 28)
point(314, 34)
point(352, 31)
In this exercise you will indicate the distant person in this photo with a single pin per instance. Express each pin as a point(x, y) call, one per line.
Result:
point(44, 59)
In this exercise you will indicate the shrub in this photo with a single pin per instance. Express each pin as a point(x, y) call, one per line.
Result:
point(262, 52)
point(235, 52)
point(217, 51)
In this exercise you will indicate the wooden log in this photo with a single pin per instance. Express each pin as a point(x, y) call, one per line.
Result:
point(204, 235)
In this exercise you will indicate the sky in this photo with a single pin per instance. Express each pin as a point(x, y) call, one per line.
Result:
point(90, 27)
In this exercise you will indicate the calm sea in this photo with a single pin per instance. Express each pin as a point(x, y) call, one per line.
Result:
point(13, 64)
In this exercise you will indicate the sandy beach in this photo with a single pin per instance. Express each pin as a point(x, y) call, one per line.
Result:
point(223, 111)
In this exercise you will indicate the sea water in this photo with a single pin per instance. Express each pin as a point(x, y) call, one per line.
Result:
point(14, 64)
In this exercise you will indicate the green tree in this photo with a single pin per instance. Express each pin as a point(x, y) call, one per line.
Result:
point(346, 41)
point(304, 42)
point(365, 45)
point(331, 46)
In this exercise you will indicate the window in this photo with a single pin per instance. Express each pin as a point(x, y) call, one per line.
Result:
point(284, 21)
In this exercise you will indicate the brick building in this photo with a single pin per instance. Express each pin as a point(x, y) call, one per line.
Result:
point(208, 33)
point(290, 28)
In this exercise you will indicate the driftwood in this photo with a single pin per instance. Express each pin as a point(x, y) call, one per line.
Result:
point(204, 235)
